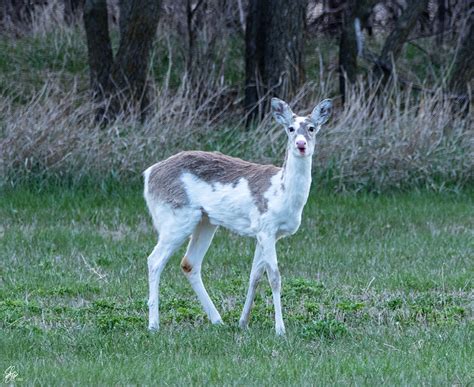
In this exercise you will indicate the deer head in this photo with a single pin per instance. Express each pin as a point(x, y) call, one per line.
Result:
point(301, 130)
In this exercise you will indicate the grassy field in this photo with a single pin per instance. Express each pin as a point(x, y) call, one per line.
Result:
point(376, 289)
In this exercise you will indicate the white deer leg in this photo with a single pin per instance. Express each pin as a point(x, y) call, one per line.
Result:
point(270, 258)
point(191, 266)
point(275, 283)
point(156, 263)
point(257, 269)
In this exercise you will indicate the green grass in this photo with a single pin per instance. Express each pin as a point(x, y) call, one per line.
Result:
point(375, 289)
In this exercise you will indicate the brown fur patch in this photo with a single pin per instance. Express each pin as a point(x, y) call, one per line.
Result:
point(185, 265)
point(211, 167)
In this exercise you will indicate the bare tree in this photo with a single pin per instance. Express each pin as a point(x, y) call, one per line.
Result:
point(397, 38)
point(463, 69)
point(120, 84)
point(441, 15)
point(191, 32)
point(99, 46)
point(348, 51)
point(273, 51)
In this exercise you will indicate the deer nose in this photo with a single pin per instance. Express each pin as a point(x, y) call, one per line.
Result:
point(301, 143)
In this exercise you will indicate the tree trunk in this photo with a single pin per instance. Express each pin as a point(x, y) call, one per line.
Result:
point(441, 15)
point(463, 69)
point(333, 15)
point(273, 52)
point(394, 43)
point(99, 47)
point(128, 85)
point(253, 58)
point(347, 49)
point(120, 85)
point(360, 9)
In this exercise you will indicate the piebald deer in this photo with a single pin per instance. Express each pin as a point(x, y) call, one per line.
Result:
point(192, 193)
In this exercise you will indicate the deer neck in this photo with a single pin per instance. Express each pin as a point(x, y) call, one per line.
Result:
point(296, 179)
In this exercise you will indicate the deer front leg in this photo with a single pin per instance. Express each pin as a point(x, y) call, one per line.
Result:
point(270, 258)
point(265, 259)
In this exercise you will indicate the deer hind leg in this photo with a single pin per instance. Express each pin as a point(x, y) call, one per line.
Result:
point(191, 266)
point(172, 235)
point(156, 263)
point(258, 267)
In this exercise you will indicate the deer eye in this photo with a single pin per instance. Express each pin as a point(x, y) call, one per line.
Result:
point(291, 129)
point(311, 129)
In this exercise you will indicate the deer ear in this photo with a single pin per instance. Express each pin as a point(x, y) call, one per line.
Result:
point(282, 112)
point(322, 112)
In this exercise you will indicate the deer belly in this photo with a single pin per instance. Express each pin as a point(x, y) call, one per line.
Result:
point(227, 205)
point(241, 226)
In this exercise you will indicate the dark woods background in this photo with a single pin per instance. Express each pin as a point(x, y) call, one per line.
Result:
point(276, 35)
point(153, 67)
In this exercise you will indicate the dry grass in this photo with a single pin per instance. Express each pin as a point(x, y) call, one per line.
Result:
point(54, 135)
point(399, 139)
point(377, 142)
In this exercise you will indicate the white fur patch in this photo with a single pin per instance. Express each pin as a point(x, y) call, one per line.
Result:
point(228, 205)
point(298, 121)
